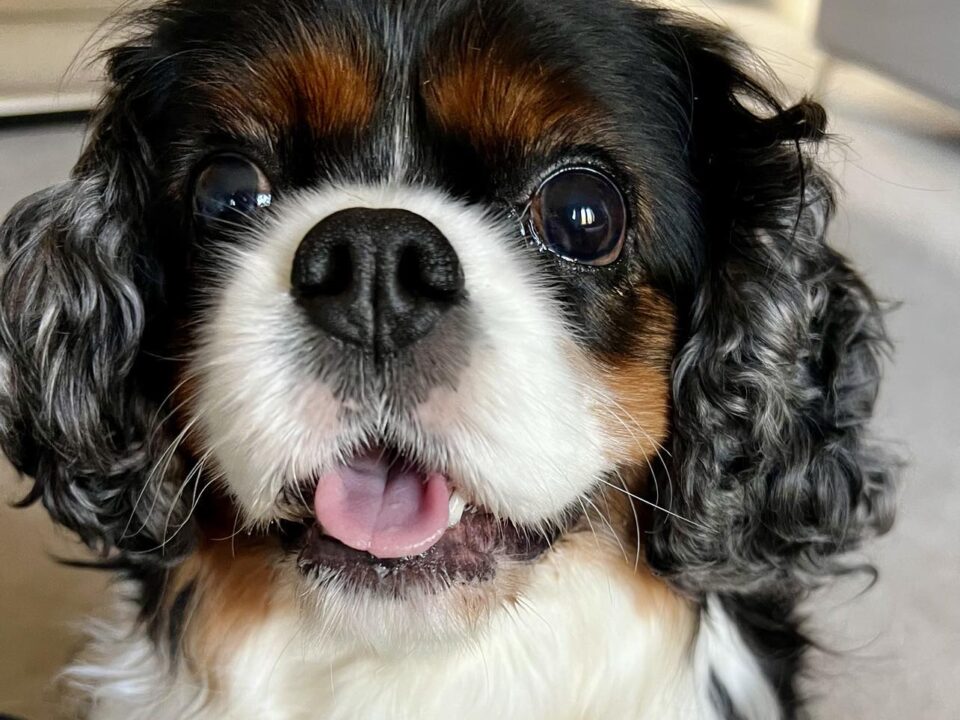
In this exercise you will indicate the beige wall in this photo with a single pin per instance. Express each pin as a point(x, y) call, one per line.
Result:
point(42, 602)
point(45, 6)
point(800, 12)
point(45, 52)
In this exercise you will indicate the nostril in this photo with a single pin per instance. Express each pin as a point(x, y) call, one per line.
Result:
point(413, 275)
point(329, 272)
point(425, 273)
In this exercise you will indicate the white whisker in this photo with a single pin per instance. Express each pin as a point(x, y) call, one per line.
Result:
point(653, 505)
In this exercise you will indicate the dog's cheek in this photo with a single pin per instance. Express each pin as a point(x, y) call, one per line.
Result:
point(637, 419)
point(635, 384)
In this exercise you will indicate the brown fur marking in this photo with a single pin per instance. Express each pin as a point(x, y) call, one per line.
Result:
point(640, 383)
point(498, 100)
point(234, 590)
point(606, 538)
point(315, 83)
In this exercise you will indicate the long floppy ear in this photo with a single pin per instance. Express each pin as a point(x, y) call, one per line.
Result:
point(778, 371)
point(73, 269)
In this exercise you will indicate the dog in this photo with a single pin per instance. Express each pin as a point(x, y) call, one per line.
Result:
point(443, 358)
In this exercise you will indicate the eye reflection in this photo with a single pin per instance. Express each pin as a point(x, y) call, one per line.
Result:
point(230, 188)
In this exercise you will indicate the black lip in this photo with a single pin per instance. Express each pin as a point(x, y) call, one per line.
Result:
point(469, 553)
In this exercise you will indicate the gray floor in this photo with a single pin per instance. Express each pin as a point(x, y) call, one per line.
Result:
point(897, 647)
point(901, 641)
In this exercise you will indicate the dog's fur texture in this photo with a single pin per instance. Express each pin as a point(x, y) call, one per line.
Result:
point(694, 413)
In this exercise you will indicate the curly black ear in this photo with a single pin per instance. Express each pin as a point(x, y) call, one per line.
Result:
point(777, 375)
point(72, 313)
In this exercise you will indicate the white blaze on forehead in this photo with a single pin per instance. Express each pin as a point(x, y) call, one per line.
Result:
point(517, 430)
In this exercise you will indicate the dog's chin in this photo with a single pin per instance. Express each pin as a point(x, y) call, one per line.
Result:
point(408, 603)
point(479, 567)
point(423, 616)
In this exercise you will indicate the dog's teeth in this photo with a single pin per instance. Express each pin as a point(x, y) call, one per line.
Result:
point(457, 504)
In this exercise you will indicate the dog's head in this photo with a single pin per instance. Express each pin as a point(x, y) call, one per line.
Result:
point(409, 288)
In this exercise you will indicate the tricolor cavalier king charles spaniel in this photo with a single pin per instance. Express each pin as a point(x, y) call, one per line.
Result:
point(439, 359)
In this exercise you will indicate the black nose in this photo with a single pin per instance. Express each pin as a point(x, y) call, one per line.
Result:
point(377, 278)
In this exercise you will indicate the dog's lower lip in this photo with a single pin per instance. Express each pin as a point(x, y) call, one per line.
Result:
point(468, 552)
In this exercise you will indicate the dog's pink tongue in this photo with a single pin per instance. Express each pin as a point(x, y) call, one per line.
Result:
point(389, 513)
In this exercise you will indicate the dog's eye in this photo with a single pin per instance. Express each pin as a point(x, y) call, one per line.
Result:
point(580, 215)
point(230, 186)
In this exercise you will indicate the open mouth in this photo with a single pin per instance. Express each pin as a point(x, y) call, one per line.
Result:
point(381, 522)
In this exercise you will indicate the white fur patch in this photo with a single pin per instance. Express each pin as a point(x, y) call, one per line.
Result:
point(122, 672)
point(721, 653)
point(584, 642)
point(518, 433)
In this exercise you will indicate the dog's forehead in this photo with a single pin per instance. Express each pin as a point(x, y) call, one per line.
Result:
point(479, 73)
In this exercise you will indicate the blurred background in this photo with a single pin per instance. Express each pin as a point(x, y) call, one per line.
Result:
point(888, 72)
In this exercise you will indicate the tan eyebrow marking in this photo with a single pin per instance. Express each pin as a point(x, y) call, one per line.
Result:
point(315, 82)
point(498, 98)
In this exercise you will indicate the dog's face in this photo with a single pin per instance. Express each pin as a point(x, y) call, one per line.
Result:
point(425, 322)
point(411, 287)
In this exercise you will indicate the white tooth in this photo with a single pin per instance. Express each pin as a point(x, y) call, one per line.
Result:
point(457, 504)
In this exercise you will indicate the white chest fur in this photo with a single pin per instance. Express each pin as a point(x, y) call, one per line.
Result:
point(590, 639)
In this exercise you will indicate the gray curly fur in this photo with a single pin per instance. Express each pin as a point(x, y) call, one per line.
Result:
point(772, 393)
point(777, 377)
point(71, 319)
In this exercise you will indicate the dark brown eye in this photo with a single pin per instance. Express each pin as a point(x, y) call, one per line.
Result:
point(580, 215)
point(229, 188)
